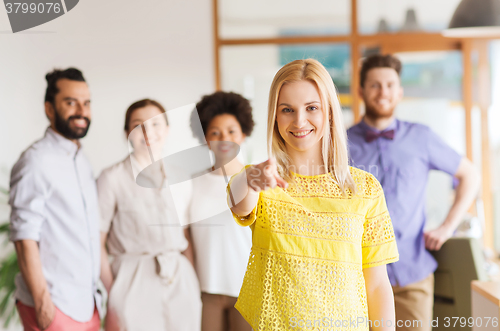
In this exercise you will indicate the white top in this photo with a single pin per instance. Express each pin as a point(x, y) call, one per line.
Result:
point(54, 202)
point(222, 247)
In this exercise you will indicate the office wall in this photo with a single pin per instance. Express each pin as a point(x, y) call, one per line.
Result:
point(127, 51)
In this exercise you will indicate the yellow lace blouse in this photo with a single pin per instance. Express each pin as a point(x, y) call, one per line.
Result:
point(309, 247)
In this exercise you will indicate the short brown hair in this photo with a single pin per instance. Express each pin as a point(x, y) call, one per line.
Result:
point(141, 104)
point(379, 61)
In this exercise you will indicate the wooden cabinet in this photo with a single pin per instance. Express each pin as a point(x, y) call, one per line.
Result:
point(485, 305)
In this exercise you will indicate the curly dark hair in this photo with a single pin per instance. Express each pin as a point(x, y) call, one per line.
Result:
point(379, 61)
point(220, 103)
point(54, 76)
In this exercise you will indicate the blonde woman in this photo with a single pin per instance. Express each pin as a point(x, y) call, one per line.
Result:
point(321, 230)
point(151, 281)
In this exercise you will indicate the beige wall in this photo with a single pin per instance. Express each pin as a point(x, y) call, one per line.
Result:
point(127, 50)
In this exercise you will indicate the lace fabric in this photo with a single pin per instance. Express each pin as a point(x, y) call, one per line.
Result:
point(310, 245)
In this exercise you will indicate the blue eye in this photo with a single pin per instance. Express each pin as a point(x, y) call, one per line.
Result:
point(312, 107)
point(286, 110)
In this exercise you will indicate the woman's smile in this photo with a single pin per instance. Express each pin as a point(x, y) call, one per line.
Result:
point(301, 134)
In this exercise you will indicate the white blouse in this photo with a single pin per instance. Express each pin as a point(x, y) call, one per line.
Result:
point(222, 247)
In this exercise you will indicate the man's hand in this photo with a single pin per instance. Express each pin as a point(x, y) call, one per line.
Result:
point(45, 312)
point(28, 258)
point(436, 238)
point(466, 191)
point(112, 323)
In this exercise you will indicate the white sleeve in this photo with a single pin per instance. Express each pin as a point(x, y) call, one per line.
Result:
point(28, 193)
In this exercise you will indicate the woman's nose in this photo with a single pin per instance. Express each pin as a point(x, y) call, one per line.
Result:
point(300, 118)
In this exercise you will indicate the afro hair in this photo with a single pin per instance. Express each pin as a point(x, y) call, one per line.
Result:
point(220, 103)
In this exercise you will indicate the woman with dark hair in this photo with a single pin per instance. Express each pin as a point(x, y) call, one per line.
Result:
point(151, 281)
point(221, 247)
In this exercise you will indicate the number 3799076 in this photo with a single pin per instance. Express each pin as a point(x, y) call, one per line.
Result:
point(470, 322)
point(32, 8)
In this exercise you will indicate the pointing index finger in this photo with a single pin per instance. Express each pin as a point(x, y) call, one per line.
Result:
point(280, 181)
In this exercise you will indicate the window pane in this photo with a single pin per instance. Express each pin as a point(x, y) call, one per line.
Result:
point(336, 59)
point(432, 75)
point(279, 18)
point(249, 70)
point(404, 15)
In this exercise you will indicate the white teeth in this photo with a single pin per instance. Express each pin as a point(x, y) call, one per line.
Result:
point(80, 122)
point(301, 134)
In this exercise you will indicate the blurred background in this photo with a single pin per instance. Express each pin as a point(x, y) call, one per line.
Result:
point(449, 82)
point(177, 51)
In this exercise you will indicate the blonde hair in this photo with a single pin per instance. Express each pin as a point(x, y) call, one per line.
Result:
point(334, 141)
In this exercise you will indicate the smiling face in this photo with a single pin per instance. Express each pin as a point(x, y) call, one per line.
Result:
point(299, 116)
point(381, 92)
point(224, 136)
point(155, 127)
point(70, 113)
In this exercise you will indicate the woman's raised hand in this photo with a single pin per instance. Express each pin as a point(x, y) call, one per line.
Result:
point(264, 176)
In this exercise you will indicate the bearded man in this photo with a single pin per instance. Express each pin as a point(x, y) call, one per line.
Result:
point(54, 220)
point(401, 154)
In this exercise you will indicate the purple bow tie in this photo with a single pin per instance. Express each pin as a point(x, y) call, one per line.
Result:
point(372, 135)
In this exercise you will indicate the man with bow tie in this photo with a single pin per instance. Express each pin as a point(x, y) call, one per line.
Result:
point(401, 154)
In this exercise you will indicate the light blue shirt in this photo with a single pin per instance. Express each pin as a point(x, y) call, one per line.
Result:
point(53, 198)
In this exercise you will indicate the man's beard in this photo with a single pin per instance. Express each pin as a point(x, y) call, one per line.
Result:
point(63, 126)
point(374, 114)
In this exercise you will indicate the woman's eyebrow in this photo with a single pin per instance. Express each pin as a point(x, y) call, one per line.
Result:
point(307, 103)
